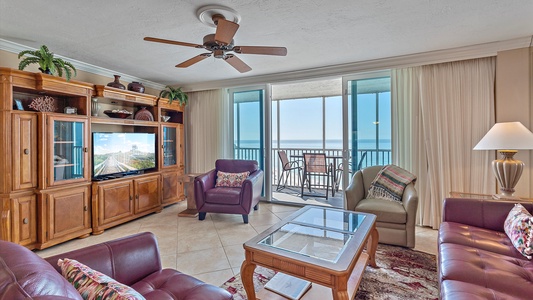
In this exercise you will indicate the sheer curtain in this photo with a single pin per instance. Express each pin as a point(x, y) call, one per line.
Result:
point(208, 126)
point(440, 112)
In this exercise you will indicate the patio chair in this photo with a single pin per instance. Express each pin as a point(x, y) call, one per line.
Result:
point(286, 168)
point(340, 169)
point(315, 164)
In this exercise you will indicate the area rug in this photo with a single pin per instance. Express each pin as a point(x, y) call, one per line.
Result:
point(402, 274)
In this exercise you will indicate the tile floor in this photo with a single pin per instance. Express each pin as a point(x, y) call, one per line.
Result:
point(210, 250)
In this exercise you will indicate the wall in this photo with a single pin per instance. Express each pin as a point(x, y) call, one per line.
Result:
point(514, 84)
point(10, 60)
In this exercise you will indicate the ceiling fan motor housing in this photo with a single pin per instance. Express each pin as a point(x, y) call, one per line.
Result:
point(212, 45)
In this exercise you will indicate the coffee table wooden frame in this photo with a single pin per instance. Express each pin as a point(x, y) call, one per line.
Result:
point(342, 277)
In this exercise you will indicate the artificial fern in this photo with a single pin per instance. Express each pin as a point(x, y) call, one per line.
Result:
point(174, 94)
point(47, 62)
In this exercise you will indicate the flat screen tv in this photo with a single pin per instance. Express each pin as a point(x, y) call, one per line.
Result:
point(122, 153)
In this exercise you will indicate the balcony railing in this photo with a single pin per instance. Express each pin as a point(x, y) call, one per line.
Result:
point(372, 157)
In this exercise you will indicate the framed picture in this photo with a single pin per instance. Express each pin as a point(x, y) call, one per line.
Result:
point(18, 105)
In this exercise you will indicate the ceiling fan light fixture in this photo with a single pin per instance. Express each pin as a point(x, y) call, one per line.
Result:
point(218, 53)
point(209, 13)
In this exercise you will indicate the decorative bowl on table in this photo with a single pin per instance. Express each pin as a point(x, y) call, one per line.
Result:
point(120, 114)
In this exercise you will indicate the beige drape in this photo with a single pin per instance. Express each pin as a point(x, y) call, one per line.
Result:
point(207, 130)
point(440, 112)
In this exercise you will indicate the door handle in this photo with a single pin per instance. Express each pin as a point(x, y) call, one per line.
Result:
point(26, 151)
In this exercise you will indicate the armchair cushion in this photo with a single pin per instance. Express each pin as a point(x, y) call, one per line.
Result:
point(225, 179)
point(518, 228)
point(390, 183)
point(384, 210)
point(223, 195)
point(92, 284)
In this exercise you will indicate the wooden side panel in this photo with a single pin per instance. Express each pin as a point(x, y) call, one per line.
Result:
point(171, 185)
point(24, 145)
point(147, 193)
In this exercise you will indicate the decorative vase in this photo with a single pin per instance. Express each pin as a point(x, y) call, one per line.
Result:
point(144, 115)
point(116, 83)
point(136, 87)
point(94, 107)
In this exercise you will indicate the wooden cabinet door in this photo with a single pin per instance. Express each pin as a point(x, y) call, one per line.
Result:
point(24, 221)
point(24, 145)
point(67, 153)
point(170, 188)
point(147, 193)
point(68, 213)
point(170, 146)
point(115, 201)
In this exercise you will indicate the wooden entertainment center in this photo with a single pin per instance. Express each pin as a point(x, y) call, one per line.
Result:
point(47, 193)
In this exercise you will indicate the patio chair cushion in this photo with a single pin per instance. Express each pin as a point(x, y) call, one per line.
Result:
point(225, 179)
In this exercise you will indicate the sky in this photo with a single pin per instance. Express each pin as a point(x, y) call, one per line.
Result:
point(302, 119)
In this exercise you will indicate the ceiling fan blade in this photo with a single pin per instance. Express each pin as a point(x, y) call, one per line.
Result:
point(281, 51)
point(225, 31)
point(237, 63)
point(193, 60)
point(157, 40)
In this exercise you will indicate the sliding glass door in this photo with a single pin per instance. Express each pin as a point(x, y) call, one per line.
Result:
point(249, 125)
point(367, 122)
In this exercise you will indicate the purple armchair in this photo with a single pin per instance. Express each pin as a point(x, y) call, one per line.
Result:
point(229, 200)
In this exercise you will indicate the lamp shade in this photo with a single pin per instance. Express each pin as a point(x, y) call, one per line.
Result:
point(506, 136)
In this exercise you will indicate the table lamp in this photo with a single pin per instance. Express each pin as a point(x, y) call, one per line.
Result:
point(507, 138)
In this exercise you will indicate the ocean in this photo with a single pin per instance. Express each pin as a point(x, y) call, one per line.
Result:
point(384, 144)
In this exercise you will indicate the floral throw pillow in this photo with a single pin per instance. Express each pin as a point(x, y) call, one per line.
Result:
point(231, 179)
point(92, 284)
point(518, 227)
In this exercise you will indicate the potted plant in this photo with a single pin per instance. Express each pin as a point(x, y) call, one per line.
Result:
point(48, 64)
point(174, 94)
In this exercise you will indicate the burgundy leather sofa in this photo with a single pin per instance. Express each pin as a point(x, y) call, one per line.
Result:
point(225, 199)
point(476, 258)
point(132, 260)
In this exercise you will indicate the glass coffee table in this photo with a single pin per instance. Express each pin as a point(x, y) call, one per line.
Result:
point(319, 244)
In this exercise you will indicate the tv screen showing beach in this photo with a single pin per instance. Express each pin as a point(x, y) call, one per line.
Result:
point(115, 153)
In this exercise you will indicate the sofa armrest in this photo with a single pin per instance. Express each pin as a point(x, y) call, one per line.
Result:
point(355, 192)
point(127, 260)
point(484, 213)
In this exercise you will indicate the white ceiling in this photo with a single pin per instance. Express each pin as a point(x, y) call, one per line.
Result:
point(316, 33)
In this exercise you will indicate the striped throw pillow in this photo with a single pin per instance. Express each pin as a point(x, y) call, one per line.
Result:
point(93, 285)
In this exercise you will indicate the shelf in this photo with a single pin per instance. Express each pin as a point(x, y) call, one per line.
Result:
point(63, 142)
point(117, 121)
point(139, 99)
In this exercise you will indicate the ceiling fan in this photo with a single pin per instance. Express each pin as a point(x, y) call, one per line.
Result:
point(220, 43)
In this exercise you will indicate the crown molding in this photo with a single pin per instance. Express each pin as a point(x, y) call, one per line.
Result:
point(82, 66)
point(432, 57)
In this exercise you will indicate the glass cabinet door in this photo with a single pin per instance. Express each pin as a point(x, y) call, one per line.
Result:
point(68, 150)
point(170, 146)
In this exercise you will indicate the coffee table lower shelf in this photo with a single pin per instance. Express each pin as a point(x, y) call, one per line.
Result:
point(321, 292)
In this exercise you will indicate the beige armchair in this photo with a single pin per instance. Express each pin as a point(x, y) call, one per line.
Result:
point(395, 221)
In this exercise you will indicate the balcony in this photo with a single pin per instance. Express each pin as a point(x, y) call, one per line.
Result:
point(292, 191)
